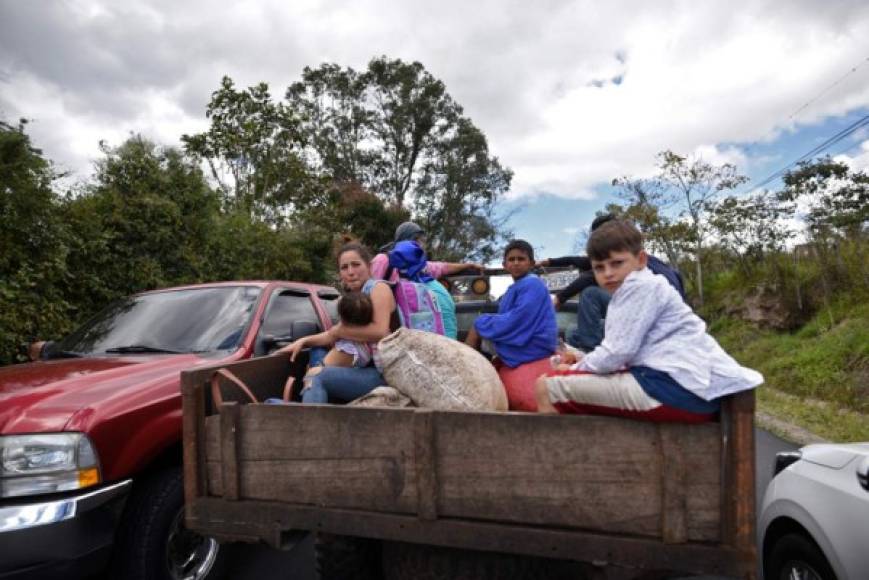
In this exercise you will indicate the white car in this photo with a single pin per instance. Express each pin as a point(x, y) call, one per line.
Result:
point(814, 523)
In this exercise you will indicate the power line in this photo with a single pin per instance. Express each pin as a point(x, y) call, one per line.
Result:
point(810, 102)
point(860, 123)
point(825, 91)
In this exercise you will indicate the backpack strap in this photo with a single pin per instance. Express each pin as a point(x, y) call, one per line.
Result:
point(217, 394)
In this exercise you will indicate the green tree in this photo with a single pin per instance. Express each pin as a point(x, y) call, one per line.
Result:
point(144, 222)
point(33, 238)
point(685, 190)
point(253, 149)
point(456, 197)
point(837, 198)
point(394, 130)
point(752, 227)
point(646, 206)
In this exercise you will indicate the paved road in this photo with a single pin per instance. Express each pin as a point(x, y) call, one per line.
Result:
point(250, 562)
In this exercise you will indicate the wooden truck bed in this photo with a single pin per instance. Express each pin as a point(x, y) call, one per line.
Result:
point(594, 489)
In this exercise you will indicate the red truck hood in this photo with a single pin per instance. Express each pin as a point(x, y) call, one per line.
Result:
point(43, 396)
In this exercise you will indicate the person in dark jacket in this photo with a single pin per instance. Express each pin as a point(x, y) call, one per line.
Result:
point(593, 300)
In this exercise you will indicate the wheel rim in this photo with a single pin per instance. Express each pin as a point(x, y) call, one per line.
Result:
point(796, 570)
point(189, 556)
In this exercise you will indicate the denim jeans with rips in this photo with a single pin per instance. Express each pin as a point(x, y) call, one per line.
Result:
point(342, 383)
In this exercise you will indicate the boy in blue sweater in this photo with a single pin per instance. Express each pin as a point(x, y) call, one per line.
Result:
point(524, 330)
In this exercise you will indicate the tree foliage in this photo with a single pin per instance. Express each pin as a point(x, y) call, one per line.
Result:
point(33, 271)
point(395, 131)
point(253, 149)
point(837, 199)
point(752, 227)
point(683, 192)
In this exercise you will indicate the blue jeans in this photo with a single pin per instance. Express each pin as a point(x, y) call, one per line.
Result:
point(590, 318)
point(342, 383)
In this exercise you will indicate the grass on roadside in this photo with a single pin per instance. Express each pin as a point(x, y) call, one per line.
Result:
point(820, 418)
point(817, 377)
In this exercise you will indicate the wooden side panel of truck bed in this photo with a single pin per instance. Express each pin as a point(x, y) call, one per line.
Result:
point(665, 496)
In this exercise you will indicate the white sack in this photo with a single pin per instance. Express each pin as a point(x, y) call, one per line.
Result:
point(383, 396)
point(440, 373)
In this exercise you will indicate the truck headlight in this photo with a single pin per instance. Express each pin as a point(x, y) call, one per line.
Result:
point(46, 463)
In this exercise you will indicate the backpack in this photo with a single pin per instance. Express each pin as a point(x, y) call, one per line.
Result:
point(417, 306)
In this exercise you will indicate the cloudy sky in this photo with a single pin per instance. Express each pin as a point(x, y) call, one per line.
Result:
point(570, 94)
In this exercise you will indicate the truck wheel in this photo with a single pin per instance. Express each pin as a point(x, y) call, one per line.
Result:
point(403, 561)
point(796, 556)
point(347, 557)
point(152, 542)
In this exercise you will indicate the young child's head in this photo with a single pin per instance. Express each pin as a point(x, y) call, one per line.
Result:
point(615, 249)
point(518, 258)
point(355, 309)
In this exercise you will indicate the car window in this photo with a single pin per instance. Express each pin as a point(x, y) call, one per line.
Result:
point(286, 307)
point(330, 302)
point(188, 320)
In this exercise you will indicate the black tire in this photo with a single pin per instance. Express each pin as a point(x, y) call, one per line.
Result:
point(794, 552)
point(347, 557)
point(403, 561)
point(152, 543)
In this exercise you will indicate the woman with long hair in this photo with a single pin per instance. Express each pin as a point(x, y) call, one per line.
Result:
point(341, 382)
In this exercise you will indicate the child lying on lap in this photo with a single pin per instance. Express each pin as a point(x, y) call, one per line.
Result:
point(656, 361)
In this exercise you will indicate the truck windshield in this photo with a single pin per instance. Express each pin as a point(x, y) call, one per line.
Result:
point(176, 321)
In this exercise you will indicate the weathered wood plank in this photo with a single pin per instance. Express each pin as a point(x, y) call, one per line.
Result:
point(585, 472)
point(743, 468)
point(229, 424)
point(425, 467)
point(266, 519)
point(193, 448)
point(316, 455)
point(674, 525)
point(490, 466)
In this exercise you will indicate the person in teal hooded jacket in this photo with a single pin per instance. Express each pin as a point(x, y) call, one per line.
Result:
point(408, 257)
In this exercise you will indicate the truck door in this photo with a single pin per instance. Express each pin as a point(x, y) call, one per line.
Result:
point(289, 315)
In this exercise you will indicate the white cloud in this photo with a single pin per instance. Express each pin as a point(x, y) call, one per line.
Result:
point(859, 161)
point(570, 94)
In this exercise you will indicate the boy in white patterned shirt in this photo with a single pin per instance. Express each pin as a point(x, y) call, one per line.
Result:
point(656, 361)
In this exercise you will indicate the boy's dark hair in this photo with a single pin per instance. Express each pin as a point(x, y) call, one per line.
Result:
point(614, 236)
point(520, 245)
point(355, 309)
point(601, 220)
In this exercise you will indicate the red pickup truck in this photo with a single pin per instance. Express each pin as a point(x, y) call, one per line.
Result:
point(90, 434)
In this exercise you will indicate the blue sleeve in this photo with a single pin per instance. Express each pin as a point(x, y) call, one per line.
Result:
point(523, 307)
point(672, 275)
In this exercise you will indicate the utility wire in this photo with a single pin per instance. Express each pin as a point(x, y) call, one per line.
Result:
point(827, 90)
point(860, 123)
point(810, 102)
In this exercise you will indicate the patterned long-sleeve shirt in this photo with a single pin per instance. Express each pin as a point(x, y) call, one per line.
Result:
point(648, 324)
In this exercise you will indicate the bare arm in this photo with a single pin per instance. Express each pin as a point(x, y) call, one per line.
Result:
point(454, 267)
point(322, 339)
point(383, 303)
point(473, 339)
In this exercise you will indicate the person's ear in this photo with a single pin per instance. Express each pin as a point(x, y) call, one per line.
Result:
point(643, 258)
